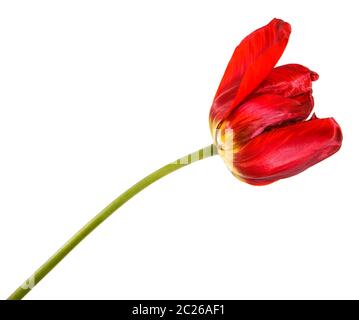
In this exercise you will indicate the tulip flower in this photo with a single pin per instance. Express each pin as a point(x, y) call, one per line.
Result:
point(261, 126)
point(259, 114)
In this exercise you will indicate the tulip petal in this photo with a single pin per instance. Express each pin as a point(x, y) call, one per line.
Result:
point(288, 80)
point(251, 63)
point(287, 151)
point(261, 113)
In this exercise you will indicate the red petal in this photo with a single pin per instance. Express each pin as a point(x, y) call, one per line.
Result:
point(262, 113)
point(287, 151)
point(251, 63)
point(288, 81)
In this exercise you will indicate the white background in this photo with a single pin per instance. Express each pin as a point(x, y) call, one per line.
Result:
point(96, 94)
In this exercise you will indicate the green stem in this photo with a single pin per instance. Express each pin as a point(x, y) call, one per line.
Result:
point(40, 273)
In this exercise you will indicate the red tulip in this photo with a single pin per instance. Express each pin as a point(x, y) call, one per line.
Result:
point(259, 114)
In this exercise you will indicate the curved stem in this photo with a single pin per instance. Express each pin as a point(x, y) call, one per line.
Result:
point(40, 273)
